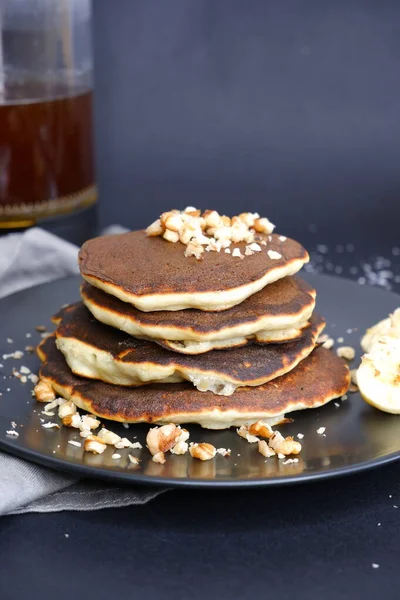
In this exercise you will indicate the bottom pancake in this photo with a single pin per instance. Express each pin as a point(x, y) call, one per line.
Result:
point(319, 378)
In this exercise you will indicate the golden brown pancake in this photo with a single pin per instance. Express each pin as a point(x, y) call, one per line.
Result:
point(279, 312)
point(315, 381)
point(97, 351)
point(153, 274)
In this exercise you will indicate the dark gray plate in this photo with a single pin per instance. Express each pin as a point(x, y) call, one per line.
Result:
point(357, 436)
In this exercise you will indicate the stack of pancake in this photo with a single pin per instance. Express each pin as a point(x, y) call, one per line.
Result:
point(160, 336)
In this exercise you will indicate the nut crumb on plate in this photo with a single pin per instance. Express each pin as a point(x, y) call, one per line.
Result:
point(346, 352)
point(94, 444)
point(202, 451)
point(264, 449)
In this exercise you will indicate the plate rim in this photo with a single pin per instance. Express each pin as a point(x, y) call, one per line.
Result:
point(152, 480)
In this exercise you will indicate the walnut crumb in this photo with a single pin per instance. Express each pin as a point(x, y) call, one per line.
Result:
point(94, 444)
point(244, 433)
point(203, 451)
point(346, 352)
point(264, 449)
point(44, 392)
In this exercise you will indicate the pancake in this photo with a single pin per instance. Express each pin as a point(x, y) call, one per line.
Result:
point(153, 274)
point(279, 312)
point(96, 351)
point(315, 381)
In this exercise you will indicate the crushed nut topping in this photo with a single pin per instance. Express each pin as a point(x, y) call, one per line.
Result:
point(73, 420)
point(224, 451)
point(108, 437)
point(159, 457)
point(283, 445)
point(50, 425)
point(180, 448)
point(264, 449)
point(346, 352)
point(44, 392)
point(203, 451)
point(12, 432)
point(244, 433)
point(94, 444)
point(321, 430)
point(162, 439)
point(328, 344)
point(210, 229)
point(261, 429)
point(274, 255)
point(133, 459)
point(66, 409)
point(74, 443)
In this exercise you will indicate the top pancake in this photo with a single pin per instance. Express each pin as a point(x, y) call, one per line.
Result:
point(153, 274)
point(316, 380)
point(281, 305)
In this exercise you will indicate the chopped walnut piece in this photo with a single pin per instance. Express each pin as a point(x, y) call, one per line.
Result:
point(346, 352)
point(261, 429)
point(193, 249)
point(162, 439)
point(171, 236)
point(323, 338)
point(159, 457)
point(264, 449)
point(274, 255)
point(263, 225)
point(210, 229)
point(328, 344)
point(180, 448)
point(254, 247)
point(236, 253)
point(202, 451)
point(90, 422)
point(66, 409)
point(108, 437)
point(174, 223)
point(72, 420)
point(224, 451)
point(183, 436)
point(283, 445)
point(244, 433)
point(133, 459)
point(212, 219)
point(44, 392)
point(94, 444)
point(155, 229)
point(248, 252)
point(50, 405)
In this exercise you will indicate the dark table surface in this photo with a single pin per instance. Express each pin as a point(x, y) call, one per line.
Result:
point(307, 541)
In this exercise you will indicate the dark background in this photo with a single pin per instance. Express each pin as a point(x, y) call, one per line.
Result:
point(289, 108)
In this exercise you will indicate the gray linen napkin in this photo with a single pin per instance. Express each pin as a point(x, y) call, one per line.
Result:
point(27, 259)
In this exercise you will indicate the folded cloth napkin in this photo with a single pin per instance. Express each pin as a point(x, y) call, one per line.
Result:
point(27, 259)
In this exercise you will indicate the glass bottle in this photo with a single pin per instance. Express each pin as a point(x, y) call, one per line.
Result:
point(46, 140)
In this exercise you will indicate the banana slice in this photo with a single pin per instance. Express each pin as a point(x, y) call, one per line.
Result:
point(389, 326)
point(378, 376)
